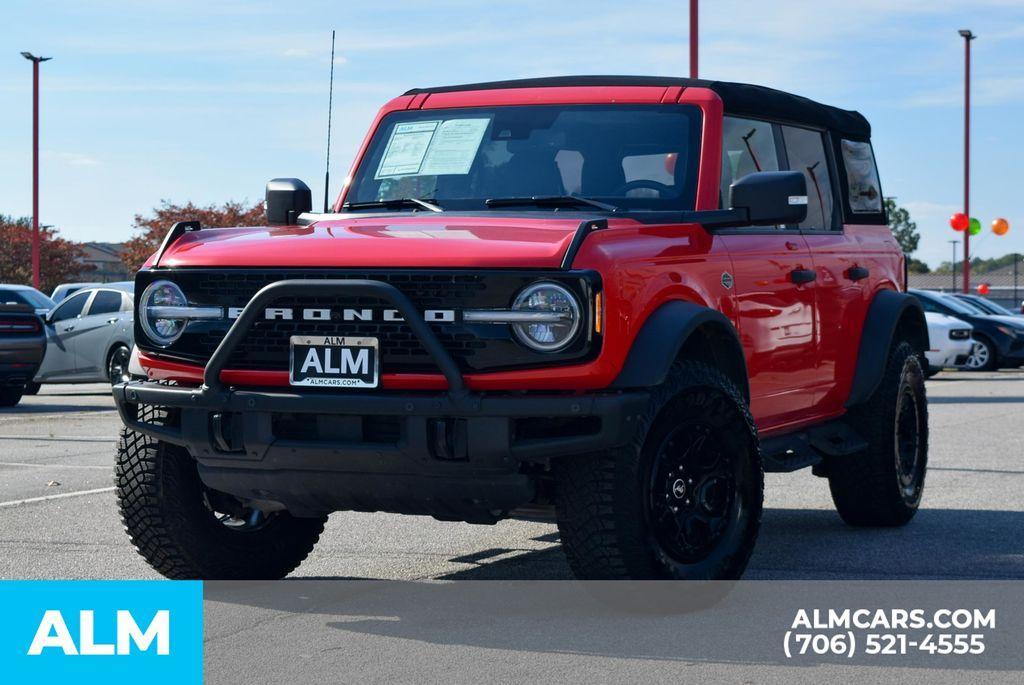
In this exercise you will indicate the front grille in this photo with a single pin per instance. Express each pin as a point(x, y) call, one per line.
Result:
point(473, 346)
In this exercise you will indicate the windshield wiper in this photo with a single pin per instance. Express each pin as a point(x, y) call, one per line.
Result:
point(550, 201)
point(397, 202)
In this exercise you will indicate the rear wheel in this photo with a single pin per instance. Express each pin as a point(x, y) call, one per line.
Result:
point(982, 357)
point(882, 486)
point(185, 530)
point(117, 365)
point(682, 501)
point(32, 388)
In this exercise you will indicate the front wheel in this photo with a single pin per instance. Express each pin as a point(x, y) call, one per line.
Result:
point(9, 397)
point(184, 530)
point(682, 501)
point(982, 358)
point(883, 485)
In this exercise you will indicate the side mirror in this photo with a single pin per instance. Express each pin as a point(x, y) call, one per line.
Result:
point(771, 197)
point(287, 198)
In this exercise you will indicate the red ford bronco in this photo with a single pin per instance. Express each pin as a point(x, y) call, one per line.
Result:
point(615, 301)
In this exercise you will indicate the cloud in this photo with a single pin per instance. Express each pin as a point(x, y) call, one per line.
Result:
point(71, 158)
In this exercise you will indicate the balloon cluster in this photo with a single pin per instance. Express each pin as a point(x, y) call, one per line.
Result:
point(961, 222)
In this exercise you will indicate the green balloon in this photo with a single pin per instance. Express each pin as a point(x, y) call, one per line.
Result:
point(974, 227)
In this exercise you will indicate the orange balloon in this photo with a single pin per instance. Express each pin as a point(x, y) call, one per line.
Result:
point(670, 162)
point(1000, 226)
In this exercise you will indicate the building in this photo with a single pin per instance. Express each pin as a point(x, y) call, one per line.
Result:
point(102, 263)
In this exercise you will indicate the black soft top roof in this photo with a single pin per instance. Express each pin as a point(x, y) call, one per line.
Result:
point(738, 98)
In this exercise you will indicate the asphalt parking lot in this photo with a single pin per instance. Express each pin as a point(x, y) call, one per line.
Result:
point(58, 518)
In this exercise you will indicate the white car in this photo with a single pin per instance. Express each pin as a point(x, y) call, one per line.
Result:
point(951, 341)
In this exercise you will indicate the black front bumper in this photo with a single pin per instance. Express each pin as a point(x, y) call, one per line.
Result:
point(454, 455)
point(473, 457)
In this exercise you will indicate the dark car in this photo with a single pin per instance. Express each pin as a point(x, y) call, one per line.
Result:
point(22, 346)
point(986, 305)
point(999, 340)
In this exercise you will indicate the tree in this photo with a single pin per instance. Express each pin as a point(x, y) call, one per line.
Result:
point(903, 229)
point(155, 227)
point(59, 259)
point(917, 266)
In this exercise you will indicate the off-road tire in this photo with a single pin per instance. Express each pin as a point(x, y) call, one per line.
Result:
point(603, 499)
point(9, 397)
point(161, 500)
point(866, 487)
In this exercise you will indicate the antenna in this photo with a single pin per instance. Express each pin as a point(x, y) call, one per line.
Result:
point(330, 105)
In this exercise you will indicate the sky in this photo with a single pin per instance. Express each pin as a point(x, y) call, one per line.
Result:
point(205, 101)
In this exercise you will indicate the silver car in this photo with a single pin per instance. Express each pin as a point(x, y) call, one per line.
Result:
point(89, 336)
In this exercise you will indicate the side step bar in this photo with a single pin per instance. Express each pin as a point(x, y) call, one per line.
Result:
point(795, 451)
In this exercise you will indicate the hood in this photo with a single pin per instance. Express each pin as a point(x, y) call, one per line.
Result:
point(393, 241)
point(1012, 321)
point(944, 321)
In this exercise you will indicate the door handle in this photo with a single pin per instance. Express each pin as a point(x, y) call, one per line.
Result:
point(68, 328)
point(857, 273)
point(114, 320)
point(790, 245)
point(800, 276)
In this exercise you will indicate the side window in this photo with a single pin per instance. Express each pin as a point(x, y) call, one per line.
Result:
point(862, 177)
point(105, 302)
point(928, 305)
point(748, 146)
point(805, 150)
point(70, 308)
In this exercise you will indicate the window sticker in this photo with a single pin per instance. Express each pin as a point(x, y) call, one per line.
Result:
point(862, 177)
point(406, 149)
point(454, 147)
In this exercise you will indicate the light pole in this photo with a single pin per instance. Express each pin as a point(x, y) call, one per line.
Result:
point(968, 37)
point(35, 163)
point(953, 264)
point(693, 38)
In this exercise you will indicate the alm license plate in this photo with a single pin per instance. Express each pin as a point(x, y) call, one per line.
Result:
point(335, 361)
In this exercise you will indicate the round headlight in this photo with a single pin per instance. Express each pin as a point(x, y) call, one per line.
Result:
point(556, 317)
point(159, 327)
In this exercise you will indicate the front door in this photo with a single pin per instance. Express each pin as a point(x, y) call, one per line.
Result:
point(61, 339)
point(774, 279)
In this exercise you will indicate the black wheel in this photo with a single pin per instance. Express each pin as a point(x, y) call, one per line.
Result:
point(983, 356)
point(117, 365)
point(185, 530)
point(882, 486)
point(9, 397)
point(32, 388)
point(932, 371)
point(682, 501)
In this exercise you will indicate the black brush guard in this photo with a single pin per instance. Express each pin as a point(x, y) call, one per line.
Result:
point(456, 454)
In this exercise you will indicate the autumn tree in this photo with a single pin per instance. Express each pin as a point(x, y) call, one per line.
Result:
point(903, 228)
point(59, 259)
point(154, 226)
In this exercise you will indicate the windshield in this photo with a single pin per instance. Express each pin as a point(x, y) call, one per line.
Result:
point(34, 299)
point(631, 156)
point(991, 307)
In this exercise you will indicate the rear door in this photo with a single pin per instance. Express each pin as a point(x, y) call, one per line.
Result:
point(94, 331)
point(775, 288)
point(843, 283)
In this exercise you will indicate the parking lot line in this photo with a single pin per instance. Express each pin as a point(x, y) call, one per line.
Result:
point(77, 493)
point(56, 466)
point(59, 438)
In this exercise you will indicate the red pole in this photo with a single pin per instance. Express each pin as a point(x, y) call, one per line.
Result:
point(968, 37)
point(35, 174)
point(693, 38)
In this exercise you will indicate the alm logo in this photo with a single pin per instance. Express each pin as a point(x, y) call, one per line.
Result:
point(53, 633)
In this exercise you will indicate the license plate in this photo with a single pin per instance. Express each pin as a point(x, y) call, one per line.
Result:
point(335, 361)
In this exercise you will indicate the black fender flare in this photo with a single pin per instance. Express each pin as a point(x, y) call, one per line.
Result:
point(667, 331)
point(888, 311)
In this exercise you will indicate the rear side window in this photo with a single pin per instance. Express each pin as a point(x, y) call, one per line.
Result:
point(862, 177)
point(11, 297)
point(748, 146)
point(805, 149)
point(105, 302)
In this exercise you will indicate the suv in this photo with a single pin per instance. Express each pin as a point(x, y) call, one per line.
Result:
point(616, 301)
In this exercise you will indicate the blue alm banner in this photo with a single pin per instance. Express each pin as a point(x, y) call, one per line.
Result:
point(101, 631)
